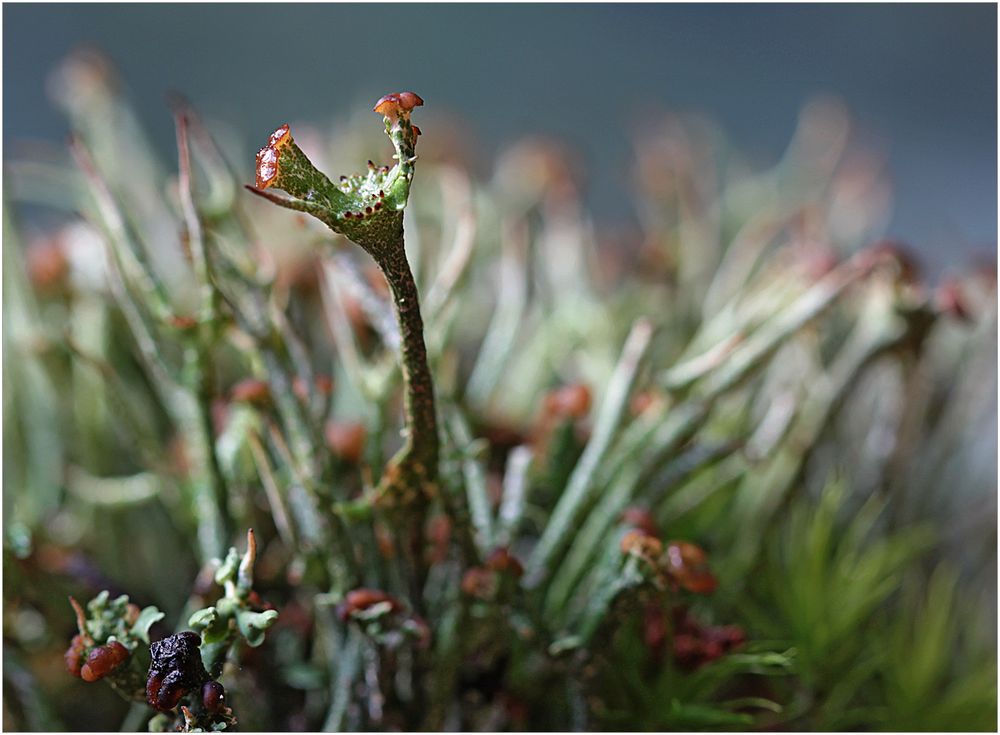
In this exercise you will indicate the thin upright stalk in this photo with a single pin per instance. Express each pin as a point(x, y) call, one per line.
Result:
point(416, 465)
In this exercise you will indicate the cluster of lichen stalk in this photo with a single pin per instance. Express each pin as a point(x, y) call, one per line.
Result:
point(614, 505)
point(368, 210)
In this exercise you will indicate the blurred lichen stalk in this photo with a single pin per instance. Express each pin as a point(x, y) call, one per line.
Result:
point(735, 471)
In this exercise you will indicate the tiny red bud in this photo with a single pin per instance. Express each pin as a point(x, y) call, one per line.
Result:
point(182, 322)
point(213, 697)
point(346, 440)
point(713, 649)
point(47, 265)
point(641, 544)
point(501, 560)
point(687, 565)
point(568, 402)
point(640, 519)
point(363, 598)
point(688, 650)
point(480, 583)
point(251, 390)
point(951, 301)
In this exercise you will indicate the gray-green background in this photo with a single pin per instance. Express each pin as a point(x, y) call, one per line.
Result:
point(921, 79)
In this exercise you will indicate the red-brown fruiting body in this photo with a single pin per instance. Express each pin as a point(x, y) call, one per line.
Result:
point(254, 598)
point(103, 660)
point(280, 136)
point(643, 401)
point(363, 598)
point(346, 440)
point(641, 544)
point(213, 697)
point(182, 322)
point(48, 265)
point(391, 105)
point(568, 402)
point(640, 519)
point(167, 697)
point(687, 650)
point(409, 100)
point(501, 560)
point(153, 687)
point(324, 384)
point(695, 644)
point(74, 655)
point(251, 390)
point(950, 300)
point(479, 582)
point(687, 565)
point(729, 636)
point(267, 157)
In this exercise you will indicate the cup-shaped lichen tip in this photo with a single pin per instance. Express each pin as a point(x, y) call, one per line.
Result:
point(392, 106)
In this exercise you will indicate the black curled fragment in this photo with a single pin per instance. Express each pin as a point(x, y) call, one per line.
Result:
point(176, 669)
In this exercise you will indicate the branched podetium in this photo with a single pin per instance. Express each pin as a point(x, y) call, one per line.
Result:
point(367, 208)
point(109, 634)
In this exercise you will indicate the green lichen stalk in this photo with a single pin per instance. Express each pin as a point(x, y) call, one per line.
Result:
point(368, 208)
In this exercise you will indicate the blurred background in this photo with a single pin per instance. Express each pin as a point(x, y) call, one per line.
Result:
point(921, 81)
point(724, 171)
